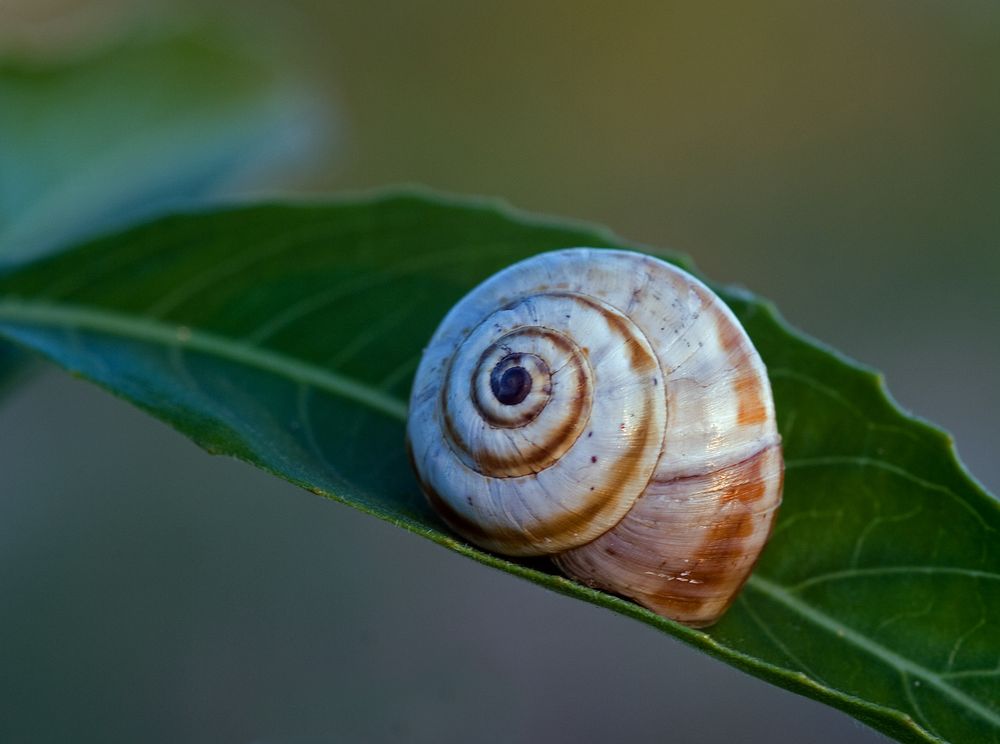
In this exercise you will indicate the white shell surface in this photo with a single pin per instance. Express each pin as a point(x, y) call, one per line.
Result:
point(646, 439)
point(582, 454)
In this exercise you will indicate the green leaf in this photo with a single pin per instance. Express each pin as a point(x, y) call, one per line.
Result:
point(90, 143)
point(288, 335)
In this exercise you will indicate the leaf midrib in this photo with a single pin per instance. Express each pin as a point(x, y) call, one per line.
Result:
point(144, 328)
point(843, 632)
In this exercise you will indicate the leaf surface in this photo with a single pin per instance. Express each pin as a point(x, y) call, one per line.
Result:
point(288, 336)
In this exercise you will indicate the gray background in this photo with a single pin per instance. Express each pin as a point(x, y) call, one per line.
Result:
point(838, 158)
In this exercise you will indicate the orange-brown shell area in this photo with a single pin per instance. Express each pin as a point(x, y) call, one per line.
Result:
point(710, 530)
point(650, 466)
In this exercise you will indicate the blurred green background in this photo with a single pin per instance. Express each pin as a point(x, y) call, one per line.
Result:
point(840, 158)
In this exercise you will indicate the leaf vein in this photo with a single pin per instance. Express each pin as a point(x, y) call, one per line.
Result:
point(864, 573)
point(866, 645)
point(778, 643)
point(153, 331)
point(863, 462)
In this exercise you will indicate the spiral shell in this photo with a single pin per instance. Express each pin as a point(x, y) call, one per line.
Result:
point(607, 409)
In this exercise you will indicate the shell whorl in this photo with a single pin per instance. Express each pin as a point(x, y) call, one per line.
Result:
point(566, 462)
point(608, 409)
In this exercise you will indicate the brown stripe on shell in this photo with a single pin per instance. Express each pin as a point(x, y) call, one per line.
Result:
point(542, 455)
point(747, 385)
point(693, 585)
point(727, 556)
point(618, 322)
point(600, 502)
point(640, 361)
point(466, 527)
point(557, 339)
point(545, 454)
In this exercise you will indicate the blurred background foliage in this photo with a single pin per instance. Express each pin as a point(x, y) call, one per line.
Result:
point(838, 158)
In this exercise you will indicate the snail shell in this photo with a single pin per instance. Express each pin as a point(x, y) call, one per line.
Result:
point(607, 409)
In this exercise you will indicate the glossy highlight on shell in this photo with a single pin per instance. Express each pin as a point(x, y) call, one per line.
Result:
point(607, 409)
